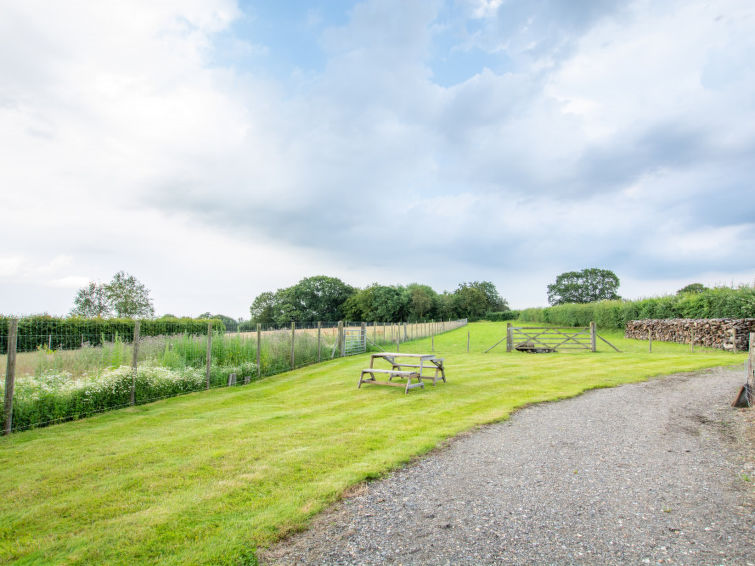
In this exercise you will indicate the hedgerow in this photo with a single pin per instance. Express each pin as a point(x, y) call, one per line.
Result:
point(721, 302)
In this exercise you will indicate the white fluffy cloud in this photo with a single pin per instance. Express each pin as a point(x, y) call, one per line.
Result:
point(618, 136)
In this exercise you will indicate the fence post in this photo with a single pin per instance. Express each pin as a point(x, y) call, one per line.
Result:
point(650, 340)
point(406, 336)
point(341, 338)
point(135, 360)
point(363, 335)
point(209, 352)
point(751, 360)
point(10, 374)
point(319, 333)
point(592, 336)
point(259, 343)
point(293, 343)
point(692, 341)
point(509, 337)
point(733, 339)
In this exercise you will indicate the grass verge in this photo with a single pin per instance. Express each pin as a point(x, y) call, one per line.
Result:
point(207, 478)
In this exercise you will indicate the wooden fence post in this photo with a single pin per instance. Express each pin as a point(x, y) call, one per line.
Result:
point(593, 347)
point(751, 359)
point(363, 335)
point(293, 345)
point(135, 360)
point(733, 339)
point(692, 341)
point(209, 353)
point(10, 374)
point(509, 337)
point(319, 334)
point(650, 340)
point(341, 339)
point(406, 337)
point(259, 344)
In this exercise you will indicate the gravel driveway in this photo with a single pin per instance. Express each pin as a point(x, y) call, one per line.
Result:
point(661, 472)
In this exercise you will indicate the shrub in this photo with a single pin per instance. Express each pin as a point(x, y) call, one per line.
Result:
point(721, 302)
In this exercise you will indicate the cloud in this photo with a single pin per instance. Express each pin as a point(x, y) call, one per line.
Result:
point(610, 134)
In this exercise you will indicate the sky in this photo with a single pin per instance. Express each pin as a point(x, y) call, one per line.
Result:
point(216, 149)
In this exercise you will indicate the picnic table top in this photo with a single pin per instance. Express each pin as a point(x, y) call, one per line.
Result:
point(400, 354)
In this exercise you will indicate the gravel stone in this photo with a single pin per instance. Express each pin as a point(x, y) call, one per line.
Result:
point(659, 472)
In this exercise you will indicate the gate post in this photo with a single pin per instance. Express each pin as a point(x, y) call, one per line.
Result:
point(592, 336)
point(509, 337)
point(341, 338)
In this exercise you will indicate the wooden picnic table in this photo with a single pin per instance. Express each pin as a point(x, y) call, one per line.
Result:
point(400, 361)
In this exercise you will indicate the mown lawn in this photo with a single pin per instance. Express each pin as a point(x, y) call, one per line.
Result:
point(208, 477)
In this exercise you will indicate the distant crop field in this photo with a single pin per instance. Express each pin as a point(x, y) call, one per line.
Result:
point(207, 478)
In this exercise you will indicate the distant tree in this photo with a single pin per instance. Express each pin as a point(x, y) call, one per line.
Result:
point(446, 309)
point(311, 299)
point(124, 295)
point(476, 298)
point(470, 301)
point(129, 297)
point(230, 324)
point(692, 288)
point(263, 308)
point(92, 301)
point(318, 298)
point(423, 300)
point(586, 286)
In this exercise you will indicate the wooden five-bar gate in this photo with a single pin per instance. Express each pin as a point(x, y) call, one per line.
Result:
point(550, 339)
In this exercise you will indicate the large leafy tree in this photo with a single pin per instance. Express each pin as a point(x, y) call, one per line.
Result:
point(128, 296)
point(311, 299)
point(586, 286)
point(423, 301)
point(476, 298)
point(92, 301)
point(124, 296)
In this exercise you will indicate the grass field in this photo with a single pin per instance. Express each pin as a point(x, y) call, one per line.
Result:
point(207, 477)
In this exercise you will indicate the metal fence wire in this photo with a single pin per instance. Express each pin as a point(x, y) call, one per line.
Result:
point(63, 369)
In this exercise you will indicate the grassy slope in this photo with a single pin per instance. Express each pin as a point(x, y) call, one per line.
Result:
point(206, 477)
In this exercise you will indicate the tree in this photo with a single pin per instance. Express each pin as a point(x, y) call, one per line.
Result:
point(263, 308)
point(476, 298)
point(129, 297)
point(586, 286)
point(124, 295)
point(692, 288)
point(422, 300)
point(92, 301)
point(231, 324)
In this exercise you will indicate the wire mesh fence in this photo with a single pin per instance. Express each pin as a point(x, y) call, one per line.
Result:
point(55, 371)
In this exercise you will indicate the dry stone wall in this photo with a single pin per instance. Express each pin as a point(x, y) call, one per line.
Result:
point(722, 333)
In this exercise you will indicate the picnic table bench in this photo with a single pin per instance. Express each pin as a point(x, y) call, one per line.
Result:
point(419, 361)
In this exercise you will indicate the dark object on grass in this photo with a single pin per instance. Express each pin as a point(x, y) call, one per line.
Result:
point(744, 397)
point(531, 348)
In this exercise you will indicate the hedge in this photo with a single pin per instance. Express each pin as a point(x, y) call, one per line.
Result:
point(721, 302)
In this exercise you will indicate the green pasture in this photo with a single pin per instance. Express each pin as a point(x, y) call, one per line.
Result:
point(207, 478)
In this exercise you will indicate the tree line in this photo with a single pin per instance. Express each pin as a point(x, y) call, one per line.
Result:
point(322, 298)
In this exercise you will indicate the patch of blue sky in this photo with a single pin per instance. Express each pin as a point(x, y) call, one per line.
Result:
point(279, 39)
